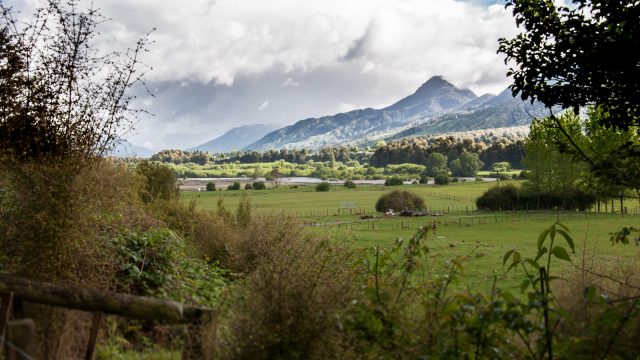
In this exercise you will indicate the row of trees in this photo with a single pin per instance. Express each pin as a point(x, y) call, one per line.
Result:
point(462, 157)
point(342, 154)
point(417, 150)
point(557, 177)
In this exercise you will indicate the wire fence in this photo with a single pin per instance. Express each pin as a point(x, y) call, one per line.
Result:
point(401, 223)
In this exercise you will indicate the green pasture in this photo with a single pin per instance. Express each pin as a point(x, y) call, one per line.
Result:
point(306, 202)
point(482, 240)
point(479, 238)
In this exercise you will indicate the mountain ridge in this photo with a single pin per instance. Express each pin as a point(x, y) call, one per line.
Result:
point(433, 96)
point(235, 138)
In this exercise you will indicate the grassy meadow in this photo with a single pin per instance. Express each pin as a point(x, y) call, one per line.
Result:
point(480, 238)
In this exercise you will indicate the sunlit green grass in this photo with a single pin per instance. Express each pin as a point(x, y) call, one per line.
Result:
point(480, 238)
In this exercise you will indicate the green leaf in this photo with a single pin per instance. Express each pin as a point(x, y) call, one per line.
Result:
point(507, 255)
point(568, 238)
point(541, 238)
point(541, 252)
point(533, 263)
point(552, 232)
point(563, 226)
point(561, 253)
point(516, 260)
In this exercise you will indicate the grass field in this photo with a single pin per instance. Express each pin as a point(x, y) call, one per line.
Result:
point(481, 238)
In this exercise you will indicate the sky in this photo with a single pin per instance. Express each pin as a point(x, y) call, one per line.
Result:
point(219, 64)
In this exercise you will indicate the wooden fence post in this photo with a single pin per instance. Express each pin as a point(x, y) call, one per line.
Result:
point(4, 314)
point(93, 336)
point(21, 333)
point(200, 339)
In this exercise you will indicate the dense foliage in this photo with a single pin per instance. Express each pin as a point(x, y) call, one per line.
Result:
point(399, 200)
point(510, 197)
point(578, 55)
point(393, 181)
point(415, 156)
point(419, 150)
point(60, 95)
point(323, 187)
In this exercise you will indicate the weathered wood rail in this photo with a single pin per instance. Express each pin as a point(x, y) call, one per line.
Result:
point(200, 331)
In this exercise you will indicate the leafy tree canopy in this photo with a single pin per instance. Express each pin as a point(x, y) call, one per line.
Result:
point(578, 55)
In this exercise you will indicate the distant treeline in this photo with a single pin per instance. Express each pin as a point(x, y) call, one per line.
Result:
point(342, 154)
point(416, 150)
point(412, 150)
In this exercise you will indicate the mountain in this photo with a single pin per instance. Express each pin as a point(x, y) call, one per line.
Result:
point(485, 112)
point(434, 96)
point(125, 149)
point(236, 138)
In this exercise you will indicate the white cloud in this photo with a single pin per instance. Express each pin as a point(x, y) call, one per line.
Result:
point(308, 60)
point(217, 41)
point(264, 105)
point(290, 82)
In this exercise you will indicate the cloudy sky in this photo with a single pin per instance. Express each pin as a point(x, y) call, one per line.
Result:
point(218, 64)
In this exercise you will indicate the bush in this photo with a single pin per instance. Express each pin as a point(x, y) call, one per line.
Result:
point(442, 179)
point(514, 176)
point(234, 186)
point(499, 198)
point(504, 176)
point(479, 179)
point(350, 184)
point(248, 186)
point(509, 197)
point(424, 179)
point(399, 200)
point(259, 185)
point(211, 186)
point(393, 181)
point(323, 187)
point(160, 182)
point(523, 175)
point(291, 303)
point(455, 179)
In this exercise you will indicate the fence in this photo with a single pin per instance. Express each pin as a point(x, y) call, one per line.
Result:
point(400, 223)
point(201, 320)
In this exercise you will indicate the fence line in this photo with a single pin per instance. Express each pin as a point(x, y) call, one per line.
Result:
point(401, 223)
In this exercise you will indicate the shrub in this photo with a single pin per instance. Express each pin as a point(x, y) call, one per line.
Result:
point(508, 197)
point(211, 186)
point(323, 186)
point(523, 175)
point(455, 179)
point(514, 176)
point(504, 176)
point(442, 179)
point(424, 179)
point(350, 184)
point(290, 305)
point(399, 200)
point(393, 181)
point(248, 186)
point(259, 185)
point(160, 182)
point(234, 186)
point(499, 198)
point(479, 179)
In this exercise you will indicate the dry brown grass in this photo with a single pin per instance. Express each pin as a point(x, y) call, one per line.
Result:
point(607, 325)
point(289, 305)
point(54, 225)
